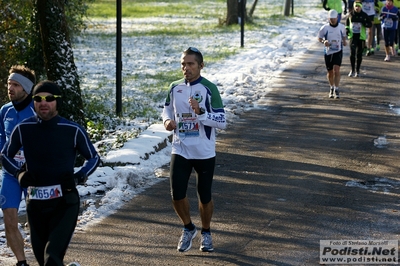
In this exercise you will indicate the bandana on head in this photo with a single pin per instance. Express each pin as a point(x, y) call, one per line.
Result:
point(26, 83)
point(47, 86)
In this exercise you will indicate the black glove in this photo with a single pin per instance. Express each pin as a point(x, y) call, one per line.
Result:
point(26, 179)
point(80, 178)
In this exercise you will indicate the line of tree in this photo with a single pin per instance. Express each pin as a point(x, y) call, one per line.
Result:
point(37, 33)
point(233, 11)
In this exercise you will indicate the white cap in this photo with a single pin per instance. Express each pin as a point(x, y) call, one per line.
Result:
point(332, 13)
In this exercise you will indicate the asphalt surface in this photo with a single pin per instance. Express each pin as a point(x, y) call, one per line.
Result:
point(280, 181)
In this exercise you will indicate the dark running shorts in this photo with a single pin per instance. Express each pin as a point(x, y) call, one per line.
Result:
point(333, 59)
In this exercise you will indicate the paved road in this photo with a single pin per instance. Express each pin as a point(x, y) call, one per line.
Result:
point(281, 176)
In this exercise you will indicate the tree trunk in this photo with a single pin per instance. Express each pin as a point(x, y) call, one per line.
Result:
point(253, 7)
point(286, 10)
point(58, 57)
point(233, 12)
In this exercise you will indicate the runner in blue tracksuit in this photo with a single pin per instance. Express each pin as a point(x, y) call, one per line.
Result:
point(19, 84)
point(389, 20)
point(51, 144)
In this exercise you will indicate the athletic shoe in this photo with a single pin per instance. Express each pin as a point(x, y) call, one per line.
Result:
point(372, 51)
point(331, 93)
point(337, 94)
point(396, 47)
point(185, 242)
point(206, 242)
point(73, 264)
point(357, 74)
point(387, 58)
point(365, 51)
point(368, 53)
point(351, 74)
point(378, 47)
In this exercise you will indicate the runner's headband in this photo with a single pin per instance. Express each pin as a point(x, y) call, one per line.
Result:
point(26, 83)
point(357, 4)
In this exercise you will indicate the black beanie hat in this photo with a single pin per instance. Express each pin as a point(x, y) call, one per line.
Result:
point(50, 87)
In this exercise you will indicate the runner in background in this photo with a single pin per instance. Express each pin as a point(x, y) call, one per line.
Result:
point(396, 3)
point(336, 5)
point(377, 28)
point(368, 6)
point(350, 5)
point(356, 28)
point(333, 36)
point(19, 85)
point(389, 18)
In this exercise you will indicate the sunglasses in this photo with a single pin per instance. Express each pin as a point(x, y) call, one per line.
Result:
point(193, 49)
point(48, 98)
